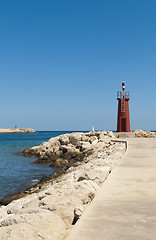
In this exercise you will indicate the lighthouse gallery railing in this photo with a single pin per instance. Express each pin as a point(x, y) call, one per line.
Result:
point(122, 94)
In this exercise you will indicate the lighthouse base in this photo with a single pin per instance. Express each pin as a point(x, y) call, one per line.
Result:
point(123, 124)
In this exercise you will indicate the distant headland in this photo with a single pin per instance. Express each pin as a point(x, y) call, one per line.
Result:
point(17, 130)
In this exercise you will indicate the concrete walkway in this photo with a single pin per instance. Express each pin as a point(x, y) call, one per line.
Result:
point(125, 206)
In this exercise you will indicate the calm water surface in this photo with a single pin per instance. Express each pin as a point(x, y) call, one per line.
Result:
point(19, 172)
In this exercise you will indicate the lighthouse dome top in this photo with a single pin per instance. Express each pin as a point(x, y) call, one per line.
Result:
point(123, 93)
point(123, 85)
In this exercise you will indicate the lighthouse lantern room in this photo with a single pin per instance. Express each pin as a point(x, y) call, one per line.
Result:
point(123, 121)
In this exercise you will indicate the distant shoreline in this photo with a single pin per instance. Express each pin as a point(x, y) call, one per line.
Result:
point(17, 130)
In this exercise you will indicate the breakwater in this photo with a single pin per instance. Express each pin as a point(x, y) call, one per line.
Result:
point(57, 204)
point(17, 130)
point(49, 209)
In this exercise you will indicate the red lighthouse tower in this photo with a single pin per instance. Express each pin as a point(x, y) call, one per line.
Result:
point(123, 124)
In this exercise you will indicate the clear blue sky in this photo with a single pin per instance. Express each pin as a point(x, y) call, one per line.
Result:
point(62, 62)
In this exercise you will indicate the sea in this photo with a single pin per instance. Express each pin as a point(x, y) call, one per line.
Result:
point(17, 172)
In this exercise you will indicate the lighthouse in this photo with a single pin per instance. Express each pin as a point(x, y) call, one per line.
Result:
point(123, 122)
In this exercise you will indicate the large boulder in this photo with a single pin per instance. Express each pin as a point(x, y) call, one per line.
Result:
point(43, 225)
point(74, 138)
point(64, 139)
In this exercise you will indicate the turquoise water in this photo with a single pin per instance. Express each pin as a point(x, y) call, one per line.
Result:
point(18, 172)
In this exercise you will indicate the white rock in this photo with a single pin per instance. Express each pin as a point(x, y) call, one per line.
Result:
point(45, 225)
point(95, 142)
point(64, 139)
point(74, 138)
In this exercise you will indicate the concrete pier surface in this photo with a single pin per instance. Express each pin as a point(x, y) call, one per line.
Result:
point(125, 205)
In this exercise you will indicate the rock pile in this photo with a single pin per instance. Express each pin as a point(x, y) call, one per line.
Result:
point(50, 212)
point(145, 134)
point(65, 149)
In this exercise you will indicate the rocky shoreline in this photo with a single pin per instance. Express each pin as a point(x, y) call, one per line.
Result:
point(49, 209)
point(66, 149)
point(17, 130)
point(56, 204)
